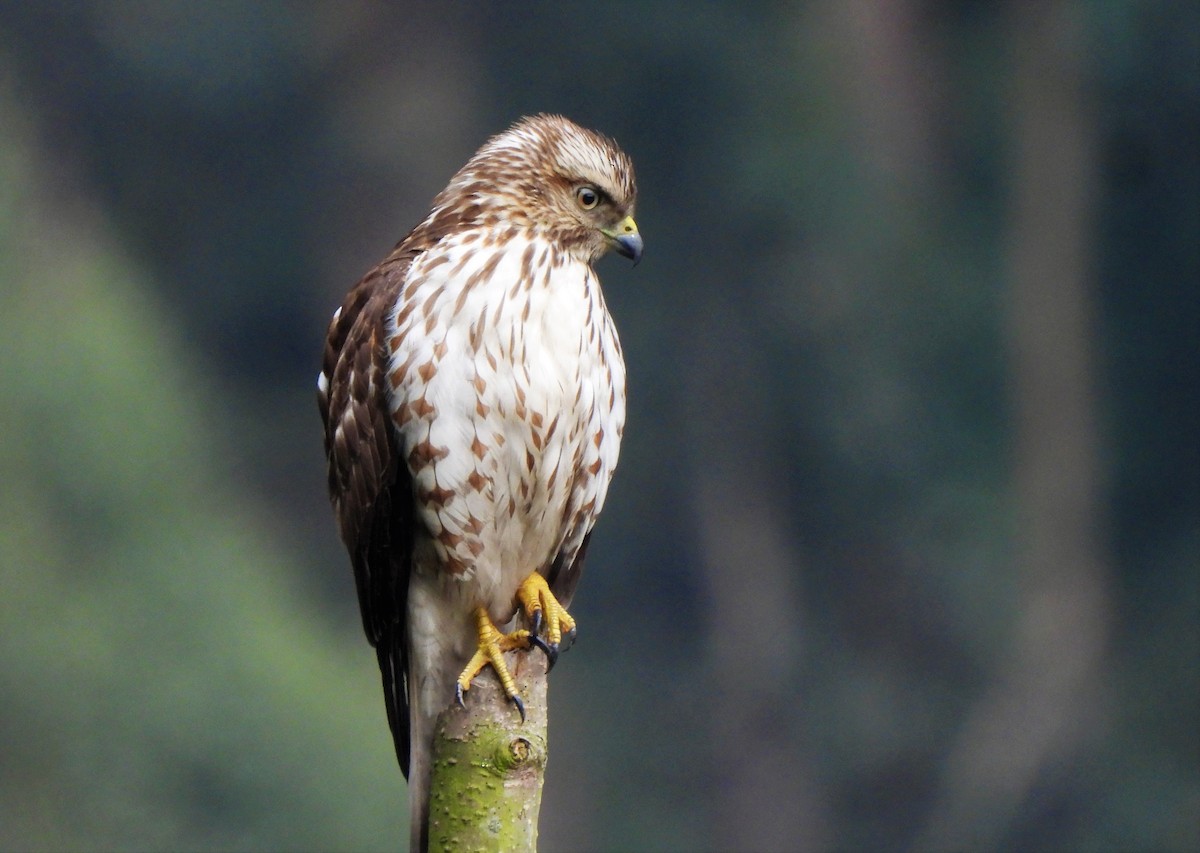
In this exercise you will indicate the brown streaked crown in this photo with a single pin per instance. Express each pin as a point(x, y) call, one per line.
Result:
point(528, 176)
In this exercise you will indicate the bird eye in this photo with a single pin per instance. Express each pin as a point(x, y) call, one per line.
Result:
point(587, 197)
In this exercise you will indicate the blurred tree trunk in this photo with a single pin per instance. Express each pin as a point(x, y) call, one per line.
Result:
point(766, 797)
point(1043, 699)
point(769, 797)
point(888, 79)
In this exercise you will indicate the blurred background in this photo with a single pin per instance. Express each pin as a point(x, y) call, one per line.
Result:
point(902, 553)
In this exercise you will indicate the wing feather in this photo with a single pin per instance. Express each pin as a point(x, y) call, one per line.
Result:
point(564, 577)
point(369, 485)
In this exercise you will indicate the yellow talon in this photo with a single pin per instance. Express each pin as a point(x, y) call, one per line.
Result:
point(492, 645)
point(543, 608)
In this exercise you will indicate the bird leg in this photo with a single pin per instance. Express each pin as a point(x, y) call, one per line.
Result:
point(542, 607)
point(492, 645)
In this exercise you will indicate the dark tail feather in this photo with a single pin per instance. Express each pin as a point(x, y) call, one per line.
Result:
point(409, 737)
point(393, 667)
point(420, 725)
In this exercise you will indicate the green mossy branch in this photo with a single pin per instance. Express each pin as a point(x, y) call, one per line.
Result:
point(488, 766)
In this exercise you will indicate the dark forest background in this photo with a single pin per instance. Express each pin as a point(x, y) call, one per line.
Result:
point(902, 553)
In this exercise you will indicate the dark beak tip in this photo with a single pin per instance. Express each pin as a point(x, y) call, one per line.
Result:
point(630, 246)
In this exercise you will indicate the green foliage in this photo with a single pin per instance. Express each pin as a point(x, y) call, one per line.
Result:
point(166, 683)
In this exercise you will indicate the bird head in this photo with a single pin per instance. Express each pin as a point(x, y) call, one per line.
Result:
point(573, 185)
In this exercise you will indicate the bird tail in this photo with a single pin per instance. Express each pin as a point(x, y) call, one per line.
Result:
point(419, 773)
point(412, 730)
point(433, 667)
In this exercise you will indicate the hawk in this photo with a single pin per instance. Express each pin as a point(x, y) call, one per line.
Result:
point(473, 397)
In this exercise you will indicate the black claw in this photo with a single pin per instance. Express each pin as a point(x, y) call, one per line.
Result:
point(520, 706)
point(550, 650)
point(458, 696)
point(535, 627)
point(570, 637)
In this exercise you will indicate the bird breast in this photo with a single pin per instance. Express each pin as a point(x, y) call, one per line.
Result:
point(508, 393)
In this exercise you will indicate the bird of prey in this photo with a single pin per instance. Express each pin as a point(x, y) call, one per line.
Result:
point(473, 397)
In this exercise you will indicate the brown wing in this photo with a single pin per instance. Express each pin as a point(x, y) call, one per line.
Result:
point(564, 577)
point(369, 485)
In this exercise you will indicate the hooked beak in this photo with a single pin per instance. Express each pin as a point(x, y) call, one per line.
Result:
point(625, 239)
